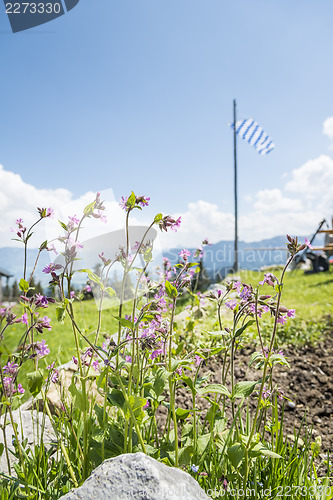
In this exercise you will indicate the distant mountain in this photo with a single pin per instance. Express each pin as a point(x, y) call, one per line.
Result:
point(218, 258)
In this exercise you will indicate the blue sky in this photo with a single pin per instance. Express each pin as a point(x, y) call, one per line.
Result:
point(137, 94)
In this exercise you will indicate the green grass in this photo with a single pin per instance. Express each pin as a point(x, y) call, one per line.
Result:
point(311, 295)
point(61, 338)
point(86, 315)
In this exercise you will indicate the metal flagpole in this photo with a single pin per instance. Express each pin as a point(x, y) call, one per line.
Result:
point(235, 267)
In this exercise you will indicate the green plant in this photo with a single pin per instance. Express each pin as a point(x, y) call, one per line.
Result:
point(141, 363)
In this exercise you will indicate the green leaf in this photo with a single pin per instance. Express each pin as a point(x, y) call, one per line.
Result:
point(1, 448)
point(24, 285)
point(244, 389)
point(260, 448)
point(202, 443)
point(79, 401)
point(43, 246)
point(188, 381)
point(100, 415)
point(116, 398)
point(255, 357)
point(93, 277)
point(60, 314)
point(110, 291)
point(181, 413)
point(63, 225)
point(170, 290)
point(131, 200)
point(279, 359)
point(89, 208)
point(126, 323)
point(215, 389)
point(137, 404)
point(220, 424)
point(185, 455)
point(235, 454)
point(158, 217)
point(35, 382)
point(243, 328)
point(278, 288)
point(161, 377)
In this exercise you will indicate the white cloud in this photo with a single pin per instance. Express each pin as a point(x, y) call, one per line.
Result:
point(19, 199)
point(297, 208)
point(272, 200)
point(328, 128)
point(313, 182)
point(201, 220)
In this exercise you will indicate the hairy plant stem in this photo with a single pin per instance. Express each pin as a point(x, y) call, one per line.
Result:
point(133, 418)
point(17, 438)
point(194, 411)
point(59, 437)
point(266, 364)
point(84, 397)
point(3, 428)
point(172, 389)
point(26, 247)
point(104, 410)
point(171, 330)
point(135, 342)
point(257, 322)
point(232, 375)
point(120, 310)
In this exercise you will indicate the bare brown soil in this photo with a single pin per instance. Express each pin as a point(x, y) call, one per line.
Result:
point(308, 384)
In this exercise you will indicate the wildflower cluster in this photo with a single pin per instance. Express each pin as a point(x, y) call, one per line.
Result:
point(9, 375)
point(128, 203)
point(88, 358)
point(167, 222)
point(140, 367)
point(294, 247)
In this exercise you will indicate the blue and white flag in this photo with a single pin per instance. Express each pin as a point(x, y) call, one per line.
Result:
point(254, 135)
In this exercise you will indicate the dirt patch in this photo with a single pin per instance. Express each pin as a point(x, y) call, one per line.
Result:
point(308, 383)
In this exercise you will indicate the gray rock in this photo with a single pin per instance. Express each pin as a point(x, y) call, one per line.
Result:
point(136, 476)
point(31, 423)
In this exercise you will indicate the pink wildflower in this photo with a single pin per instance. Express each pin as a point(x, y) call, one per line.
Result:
point(42, 349)
point(25, 319)
point(308, 244)
point(20, 389)
point(184, 254)
point(282, 320)
point(197, 359)
point(10, 368)
point(231, 304)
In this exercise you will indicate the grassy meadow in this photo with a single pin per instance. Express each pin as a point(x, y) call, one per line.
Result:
point(311, 295)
